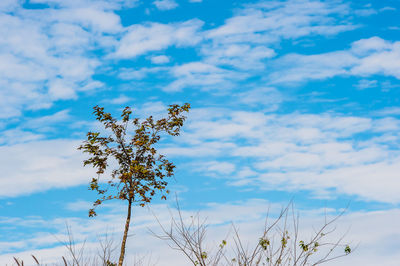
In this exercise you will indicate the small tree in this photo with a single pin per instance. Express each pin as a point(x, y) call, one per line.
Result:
point(141, 169)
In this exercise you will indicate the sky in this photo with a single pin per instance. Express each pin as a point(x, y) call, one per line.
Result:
point(291, 100)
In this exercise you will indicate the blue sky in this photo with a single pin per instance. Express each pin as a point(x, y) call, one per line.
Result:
point(290, 99)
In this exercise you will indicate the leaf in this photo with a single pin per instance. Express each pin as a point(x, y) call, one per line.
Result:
point(347, 250)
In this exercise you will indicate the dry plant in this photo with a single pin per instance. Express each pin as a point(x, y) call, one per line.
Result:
point(278, 244)
point(77, 254)
point(189, 238)
point(106, 254)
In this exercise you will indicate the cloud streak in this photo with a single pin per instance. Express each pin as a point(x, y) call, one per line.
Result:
point(366, 57)
point(41, 167)
point(322, 153)
point(141, 39)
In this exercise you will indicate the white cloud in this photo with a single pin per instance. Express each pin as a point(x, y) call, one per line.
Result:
point(206, 76)
point(68, 37)
point(345, 171)
point(366, 84)
point(389, 111)
point(386, 124)
point(240, 56)
point(141, 39)
point(239, 49)
point(194, 67)
point(96, 19)
point(159, 59)
point(266, 22)
point(103, 4)
point(307, 128)
point(387, 8)
point(46, 54)
point(366, 57)
point(385, 62)
point(242, 45)
point(294, 68)
point(13, 136)
point(248, 217)
point(141, 73)
point(268, 99)
point(79, 205)
point(83, 228)
point(165, 4)
point(379, 226)
point(320, 153)
point(216, 168)
point(122, 99)
point(212, 149)
point(9, 5)
point(58, 89)
point(42, 165)
point(366, 46)
point(43, 122)
point(365, 12)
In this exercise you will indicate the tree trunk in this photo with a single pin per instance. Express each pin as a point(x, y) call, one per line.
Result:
point(128, 221)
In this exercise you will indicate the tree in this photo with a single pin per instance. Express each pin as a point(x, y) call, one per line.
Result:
point(141, 170)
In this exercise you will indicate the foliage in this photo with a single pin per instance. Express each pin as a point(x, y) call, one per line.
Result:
point(141, 170)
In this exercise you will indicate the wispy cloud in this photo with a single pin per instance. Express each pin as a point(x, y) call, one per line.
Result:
point(159, 59)
point(267, 22)
point(203, 75)
point(248, 216)
point(300, 151)
point(295, 68)
point(384, 57)
point(165, 4)
point(141, 39)
point(239, 56)
point(41, 167)
point(365, 58)
point(47, 58)
point(245, 41)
